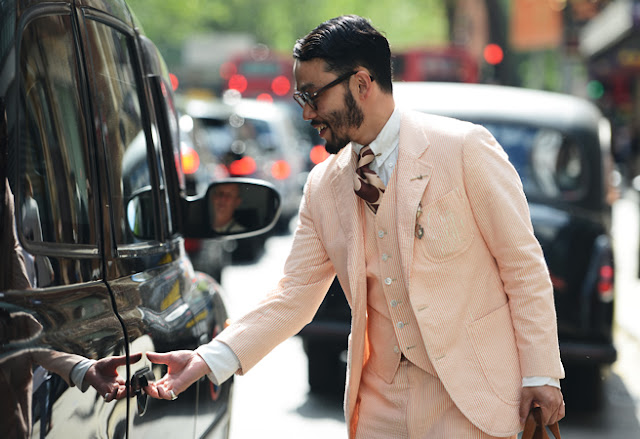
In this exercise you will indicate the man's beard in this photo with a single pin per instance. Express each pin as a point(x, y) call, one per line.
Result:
point(350, 117)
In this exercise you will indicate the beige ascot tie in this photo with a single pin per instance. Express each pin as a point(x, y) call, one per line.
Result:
point(366, 183)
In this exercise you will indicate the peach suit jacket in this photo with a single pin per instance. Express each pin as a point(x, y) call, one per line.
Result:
point(477, 279)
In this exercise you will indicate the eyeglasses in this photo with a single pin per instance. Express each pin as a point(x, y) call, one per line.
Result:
point(303, 97)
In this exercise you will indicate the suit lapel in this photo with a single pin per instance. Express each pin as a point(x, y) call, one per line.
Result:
point(347, 208)
point(414, 173)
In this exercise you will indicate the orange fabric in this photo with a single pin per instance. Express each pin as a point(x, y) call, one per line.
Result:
point(415, 405)
point(391, 322)
point(477, 279)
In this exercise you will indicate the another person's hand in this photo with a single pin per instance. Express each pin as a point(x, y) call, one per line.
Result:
point(184, 368)
point(103, 376)
point(548, 398)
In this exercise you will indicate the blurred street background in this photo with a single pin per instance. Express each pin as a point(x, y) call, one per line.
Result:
point(219, 51)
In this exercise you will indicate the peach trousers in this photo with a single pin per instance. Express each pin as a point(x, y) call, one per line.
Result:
point(414, 406)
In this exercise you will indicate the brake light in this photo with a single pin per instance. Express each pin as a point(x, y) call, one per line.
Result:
point(318, 154)
point(264, 97)
point(559, 284)
point(281, 85)
point(243, 166)
point(174, 81)
point(238, 82)
point(280, 170)
point(605, 283)
point(192, 245)
point(190, 160)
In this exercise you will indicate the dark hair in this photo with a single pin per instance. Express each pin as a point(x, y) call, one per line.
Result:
point(345, 43)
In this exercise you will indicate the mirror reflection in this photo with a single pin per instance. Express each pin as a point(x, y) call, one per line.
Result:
point(225, 199)
point(238, 207)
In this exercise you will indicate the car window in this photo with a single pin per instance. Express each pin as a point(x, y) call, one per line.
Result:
point(551, 164)
point(167, 143)
point(56, 197)
point(117, 98)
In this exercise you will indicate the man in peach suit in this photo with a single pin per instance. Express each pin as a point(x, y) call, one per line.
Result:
point(453, 323)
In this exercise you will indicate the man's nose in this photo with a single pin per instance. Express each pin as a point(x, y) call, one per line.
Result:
point(308, 112)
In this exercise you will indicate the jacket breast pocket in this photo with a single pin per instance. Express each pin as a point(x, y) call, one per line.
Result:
point(446, 227)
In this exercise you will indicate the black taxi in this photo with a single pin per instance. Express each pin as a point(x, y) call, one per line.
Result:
point(93, 220)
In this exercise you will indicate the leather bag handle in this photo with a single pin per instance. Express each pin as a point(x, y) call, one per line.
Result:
point(533, 428)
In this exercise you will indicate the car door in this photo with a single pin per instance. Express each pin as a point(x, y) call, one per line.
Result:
point(162, 302)
point(56, 311)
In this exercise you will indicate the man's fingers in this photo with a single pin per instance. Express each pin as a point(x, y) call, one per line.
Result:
point(158, 358)
point(559, 414)
point(112, 363)
point(525, 407)
point(152, 390)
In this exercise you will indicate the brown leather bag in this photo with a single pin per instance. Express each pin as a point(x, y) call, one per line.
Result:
point(533, 428)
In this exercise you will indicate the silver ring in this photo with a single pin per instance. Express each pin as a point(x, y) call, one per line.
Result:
point(173, 395)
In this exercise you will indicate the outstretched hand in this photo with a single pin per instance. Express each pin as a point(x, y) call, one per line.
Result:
point(103, 376)
point(548, 398)
point(184, 368)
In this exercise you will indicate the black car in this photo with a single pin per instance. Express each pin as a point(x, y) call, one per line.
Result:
point(92, 224)
point(560, 146)
point(201, 168)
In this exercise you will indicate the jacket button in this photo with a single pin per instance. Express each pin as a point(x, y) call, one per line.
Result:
point(388, 281)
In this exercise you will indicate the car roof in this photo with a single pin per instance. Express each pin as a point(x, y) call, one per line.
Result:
point(248, 108)
point(485, 102)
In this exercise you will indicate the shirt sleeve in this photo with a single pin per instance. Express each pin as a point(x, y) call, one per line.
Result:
point(540, 381)
point(79, 371)
point(221, 360)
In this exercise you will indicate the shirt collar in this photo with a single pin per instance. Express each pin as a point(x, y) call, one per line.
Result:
point(387, 140)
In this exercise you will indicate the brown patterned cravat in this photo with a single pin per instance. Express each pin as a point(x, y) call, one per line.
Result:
point(366, 183)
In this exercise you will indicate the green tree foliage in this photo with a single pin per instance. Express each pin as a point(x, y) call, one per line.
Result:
point(278, 23)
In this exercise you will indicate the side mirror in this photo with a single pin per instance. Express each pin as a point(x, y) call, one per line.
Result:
point(232, 208)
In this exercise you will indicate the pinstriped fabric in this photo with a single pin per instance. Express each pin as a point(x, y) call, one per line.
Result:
point(414, 406)
point(393, 328)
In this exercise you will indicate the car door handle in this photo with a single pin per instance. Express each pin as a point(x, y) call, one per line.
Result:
point(139, 381)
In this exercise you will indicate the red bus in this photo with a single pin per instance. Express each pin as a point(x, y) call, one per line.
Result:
point(264, 75)
point(449, 64)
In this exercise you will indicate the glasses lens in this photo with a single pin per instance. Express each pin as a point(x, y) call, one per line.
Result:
point(302, 99)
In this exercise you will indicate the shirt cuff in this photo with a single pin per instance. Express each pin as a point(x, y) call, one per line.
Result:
point(79, 371)
point(540, 381)
point(221, 360)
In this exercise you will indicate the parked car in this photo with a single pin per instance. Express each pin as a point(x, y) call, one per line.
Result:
point(560, 146)
point(92, 225)
point(201, 168)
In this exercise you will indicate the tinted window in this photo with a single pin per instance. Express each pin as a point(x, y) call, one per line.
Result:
point(550, 164)
point(118, 104)
point(56, 200)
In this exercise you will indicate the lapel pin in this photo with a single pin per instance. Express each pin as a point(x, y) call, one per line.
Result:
point(419, 177)
point(419, 232)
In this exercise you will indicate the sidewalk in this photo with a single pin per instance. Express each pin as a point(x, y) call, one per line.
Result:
point(625, 234)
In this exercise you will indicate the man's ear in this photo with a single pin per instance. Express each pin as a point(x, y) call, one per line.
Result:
point(364, 83)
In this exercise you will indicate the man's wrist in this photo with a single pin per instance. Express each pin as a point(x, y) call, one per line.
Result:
point(220, 359)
